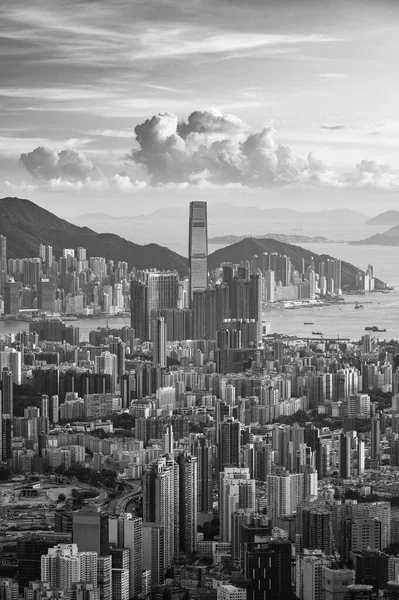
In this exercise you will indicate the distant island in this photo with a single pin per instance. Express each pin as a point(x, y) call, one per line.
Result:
point(280, 237)
point(390, 217)
point(388, 238)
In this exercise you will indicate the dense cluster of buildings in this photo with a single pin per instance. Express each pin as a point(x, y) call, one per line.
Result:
point(245, 466)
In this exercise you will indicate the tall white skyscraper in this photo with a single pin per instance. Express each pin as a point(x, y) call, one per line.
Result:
point(198, 247)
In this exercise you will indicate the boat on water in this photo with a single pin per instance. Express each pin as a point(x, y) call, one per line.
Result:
point(375, 329)
point(317, 333)
point(357, 305)
point(308, 323)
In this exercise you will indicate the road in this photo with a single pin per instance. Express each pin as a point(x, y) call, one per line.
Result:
point(119, 505)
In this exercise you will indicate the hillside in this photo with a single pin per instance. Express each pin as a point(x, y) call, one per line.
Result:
point(388, 238)
point(390, 217)
point(26, 225)
point(246, 249)
point(281, 237)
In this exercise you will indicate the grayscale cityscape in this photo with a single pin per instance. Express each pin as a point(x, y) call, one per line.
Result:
point(199, 314)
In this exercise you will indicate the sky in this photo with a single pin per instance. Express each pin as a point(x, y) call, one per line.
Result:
point(127, 106)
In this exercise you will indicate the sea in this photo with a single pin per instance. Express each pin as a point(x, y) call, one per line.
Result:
point(381, 310)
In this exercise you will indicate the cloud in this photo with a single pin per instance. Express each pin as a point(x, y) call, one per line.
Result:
point(123, 183)
point(370, 174)
point(209, 149)
point(332, 127)
point(20, 187)
point(68, 165)
point(333, 76)
point(215, 148)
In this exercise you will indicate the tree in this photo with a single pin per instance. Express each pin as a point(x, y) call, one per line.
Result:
point(61, 497)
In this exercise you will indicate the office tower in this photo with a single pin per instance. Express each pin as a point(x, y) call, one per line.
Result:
point(268, 286)
point(139, 309)
point(188, 502)
point(167, 439)
point(309, 568)
point(345, 442)
point(199, 316)
point(7, 393)
point(30, 549)
point(44, 406)
point(227, 591)
point(159, 342)
point(198, 247)
point(236, 491)
point(267, 564)
point(45, 295)
point(229, 444)
point(315, 523)
point(360, 457)
point(335, 582)
point(120, 556)
point(90, 530)
point(161, 502)
point(284, 492)
point(9, 589)
point(366, 533)
point(371, 568)
point(5, 436)
point(105, 577)
point(3, 253)
point(153, 551)
point(54, 409)
point(203, 451)
point(130, 536)
point(11, 298)
point(372, 510)
point(120, 584)
point(375, 437)
point(11, 358)
point(255, 302)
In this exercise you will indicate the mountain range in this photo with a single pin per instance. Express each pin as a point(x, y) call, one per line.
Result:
point(225, 218)
point(26, 225)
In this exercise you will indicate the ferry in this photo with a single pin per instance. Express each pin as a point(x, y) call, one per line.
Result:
point(375, 329)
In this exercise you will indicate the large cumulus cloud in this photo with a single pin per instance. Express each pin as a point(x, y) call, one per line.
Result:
point(71, 166)
point(208, 149)
point(217, 148)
